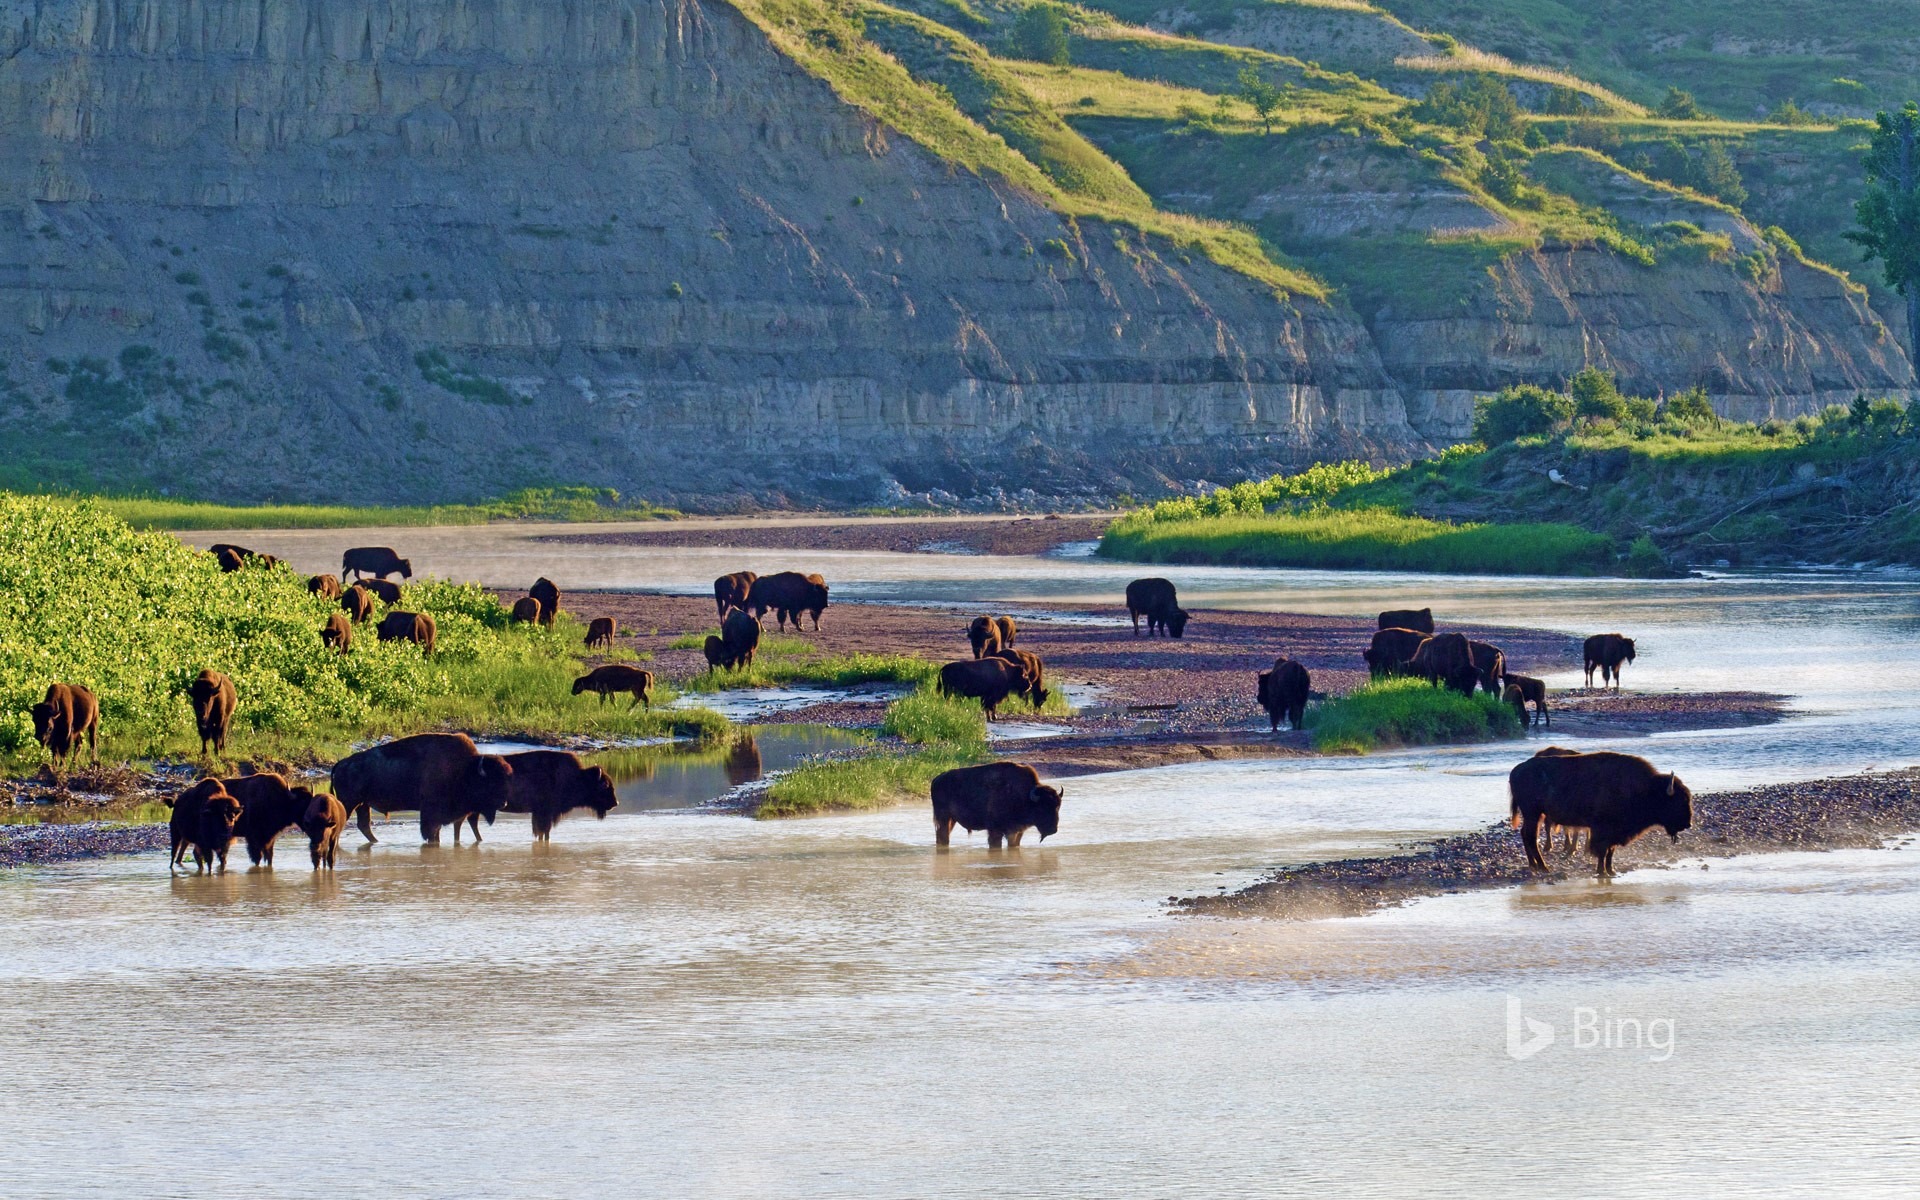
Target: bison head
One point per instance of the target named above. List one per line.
(594, 789)
(1045, 802)
(217, 819)
(492, 775)
(406, 568)
(1626, 648)
(1177, 623)
(580, 684)
(43, 717)
(1676, 810)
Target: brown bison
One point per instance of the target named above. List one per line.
(401, 626)
(1606, 652)
(1004, 798)
(214, 700)
(1283, 693)
(377, 561)
(988, 680)
(323, 823)
(356, 603)
(1446, 659)
(1615, 797)
(616, 678)
(219, 818)
(184, 825)
(1490, 662)
(716, 651)
(386, 593)
(439, 775)
(548, 784)
(1420, 619)
(337, 633)
(600, 633)
(731, 591)
(269, 807)
(1008, 630)
(983, 634)
(324, 586)
(1513, 698)
(1033, 673)
(67, 714)
(548, 595)
(788, 594)
(231, 557)
(525, 611)
(1533, 692)
(1392, 651)
(741, 634)
(1156, 600)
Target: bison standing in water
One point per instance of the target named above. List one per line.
(323, 823)
(1606, 652)
(270, 806)
(1615, 797)
(1004, 798)
(548, 784)
(731, 591)
(1418, 619)
(213, 701)
(439, 775)
(1446, 659)
(1392, 651)
(68, 714)
(789, 594)
(184, 825)
(1283, 693)
(377, 561)
(1156, 600)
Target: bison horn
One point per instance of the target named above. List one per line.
(1671, 781)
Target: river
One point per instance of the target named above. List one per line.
(674, 1003)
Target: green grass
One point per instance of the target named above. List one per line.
(928, 718)
(850, 785)
(135, 615)
(533, 504)
(829, 670)
(1407, 712)
(1364, 539)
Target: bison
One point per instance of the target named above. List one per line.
(323, 823)
(548, 595)
(731, 591)
(525, 611)
(600, 633)
(1606, 652)
(1614, 797)
(716, 651)
(1392, 651)
(983, 634)
(377, 561)
(219, 817)
(386, 593)
(324, 586)
(67, 714)
(1007, 630)
(548, 784)
(988, 680)
(741, 635)
(270, 807)
(337, 633)
(1490, 663)
(184, 825)
(1033, 673)
(788, 594)
(440, 775)
(1446, 658)
(1283, 693)
(1534, 692)
(1004, 798)
(1420, 619)
(214, 700)
(356, 603)
(1156, 600)
(1513, 698)
(401, 626)
(230, 558)
(616, 678)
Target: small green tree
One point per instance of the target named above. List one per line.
(1519, 411)
(1261, 96)
(1680, 106)
(1482, 106)
(1595, 396)
(1040, 34)
(1691, 407)
(1889, 214)
(1717, 176)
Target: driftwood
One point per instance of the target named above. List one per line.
(1773, 495)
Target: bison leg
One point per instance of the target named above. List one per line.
(942, 830)
(1013, 838)
(1530, 834)
(430, 830)
(993, 839)
(1544, 714)
(1135, 617)
(366, 822)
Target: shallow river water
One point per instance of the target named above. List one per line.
(677, 1003)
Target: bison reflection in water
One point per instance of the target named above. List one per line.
(743, 763)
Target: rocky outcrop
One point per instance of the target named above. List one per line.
(401, 249)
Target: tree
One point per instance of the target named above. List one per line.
(1691, 407)
(1717, 176)
(1519, 411)
(1482, 106)
(1594, 395)
(1889, 214)
(1261, 96)
(1680, 106)
(1040, 34)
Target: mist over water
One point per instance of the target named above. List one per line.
(675, 1003)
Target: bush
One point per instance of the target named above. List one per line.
(1645, 561)
(1040, 34)
(1680, 106)
(1519, 411)
(1408, 712)
(1595, 396)
(1691, 407)
(1483, 106)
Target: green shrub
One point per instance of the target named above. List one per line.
(1519, 411)
(927, 717)
(1040, 35)
(1595, 396)
(1691, 407)
(1408, 712)
(1645, 561)
(1483, 106)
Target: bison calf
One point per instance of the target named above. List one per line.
(400, 626)
(1283, 693)
(323, 823)
(67, 714)
(184, 826)
(600, 633)
(337, 633)
(357, 603)
(1004, 798)
(213, 700)
(325, 586)
(615, 679)
(525, 611)
(716, 651)
(1534, 692)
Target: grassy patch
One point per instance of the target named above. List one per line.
(1407, 712)
(828, 670)
(528, 504)
(848, 785)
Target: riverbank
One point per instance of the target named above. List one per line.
(1820, 814)
(908, 535)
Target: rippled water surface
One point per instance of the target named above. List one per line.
(675, 1003)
